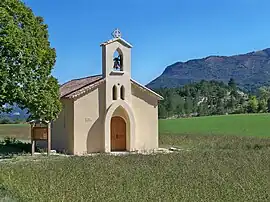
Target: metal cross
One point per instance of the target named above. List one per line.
(116, 33)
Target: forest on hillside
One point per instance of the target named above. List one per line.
(206, 98)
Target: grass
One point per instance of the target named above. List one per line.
(209, 168)
(216, 168)
(244, 125)
(240, 125)
(18, 131)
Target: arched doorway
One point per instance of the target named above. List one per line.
(118, 134)
(120, 108)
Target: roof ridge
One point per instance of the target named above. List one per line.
(86, 77)
(76, 89)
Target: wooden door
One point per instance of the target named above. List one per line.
(118, 134)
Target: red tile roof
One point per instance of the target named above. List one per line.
(78, 87)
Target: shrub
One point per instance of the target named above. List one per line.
(5, 121)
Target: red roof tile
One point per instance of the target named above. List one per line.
(70, 88)
(78, 87)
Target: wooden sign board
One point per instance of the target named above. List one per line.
(40, 133)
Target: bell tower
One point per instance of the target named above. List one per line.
(116, 68)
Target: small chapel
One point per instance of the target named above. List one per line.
(108, 112)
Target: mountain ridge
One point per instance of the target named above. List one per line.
(250, 70)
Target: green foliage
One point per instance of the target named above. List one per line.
(216, 168)
(5, 121)
(264, 98)
(264, 92)
(26, 62)
(232, 83)
(11, 146)
(201, 99)
(262, 106)
(206, 98)
(253, 104)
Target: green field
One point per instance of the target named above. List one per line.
(18, 131)
(232, 167)
(240, 125)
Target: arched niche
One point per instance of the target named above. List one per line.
(122, 92)
(118, 59)
(114, 92)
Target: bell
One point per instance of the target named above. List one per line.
(117, 65)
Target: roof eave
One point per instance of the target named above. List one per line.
(74, 96)
(149, 90)
(117, 39)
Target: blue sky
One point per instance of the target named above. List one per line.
(161, 32)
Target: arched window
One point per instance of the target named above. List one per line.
(114, 93)
(118, 60)
(122, 92)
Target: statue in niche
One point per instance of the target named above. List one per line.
(117, 66)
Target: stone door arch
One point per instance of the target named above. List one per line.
(118, 134)
(128, 117)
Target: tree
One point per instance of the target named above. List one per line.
(253, 104)
(268, 105)
(232, 83)
(188, 105)
(262, 106)
(161, 111)
(26, 62)
(180, 107)
(5, 121)
(264, 92)
(220, 107)
(203, 109)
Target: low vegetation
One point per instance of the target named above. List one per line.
(10, 147)
(228, 165)
(209, 168)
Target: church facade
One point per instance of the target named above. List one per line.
(108, 112)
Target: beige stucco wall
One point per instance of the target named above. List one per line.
(79, 128)
(145, 110)
(63, 128)
(89, 113)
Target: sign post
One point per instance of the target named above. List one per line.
(40, 130)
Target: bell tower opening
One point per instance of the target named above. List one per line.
(118, 60)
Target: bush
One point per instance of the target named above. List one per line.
(5, 121)
(10, 146)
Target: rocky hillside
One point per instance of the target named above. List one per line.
(250, 71)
